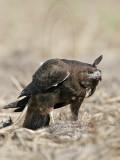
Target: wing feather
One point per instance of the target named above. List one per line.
(50, 74)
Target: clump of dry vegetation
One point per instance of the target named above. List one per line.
(95, 134)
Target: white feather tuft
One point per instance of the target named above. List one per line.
(41, 63)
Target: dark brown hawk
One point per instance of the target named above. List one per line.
(57, 83)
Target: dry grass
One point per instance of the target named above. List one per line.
(95, 134)
(38, 30)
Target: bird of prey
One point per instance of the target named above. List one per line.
(57, 83)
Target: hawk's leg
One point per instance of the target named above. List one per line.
(38, 113)
(35, 119)
(75, 108)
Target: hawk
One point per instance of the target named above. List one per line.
(57, 83)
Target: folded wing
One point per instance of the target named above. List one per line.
(50, 75)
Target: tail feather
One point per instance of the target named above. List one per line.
(19, 105)
(11, 105)
(28, 90)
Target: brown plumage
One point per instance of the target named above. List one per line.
(58, 82)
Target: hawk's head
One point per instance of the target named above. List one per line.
(90, 74)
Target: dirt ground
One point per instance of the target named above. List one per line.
(34, 31)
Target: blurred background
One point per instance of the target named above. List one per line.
(35, 31)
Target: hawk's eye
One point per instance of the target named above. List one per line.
(90, 72)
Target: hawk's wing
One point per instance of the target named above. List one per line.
(50, 75)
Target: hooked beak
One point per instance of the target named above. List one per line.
(96, 75)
